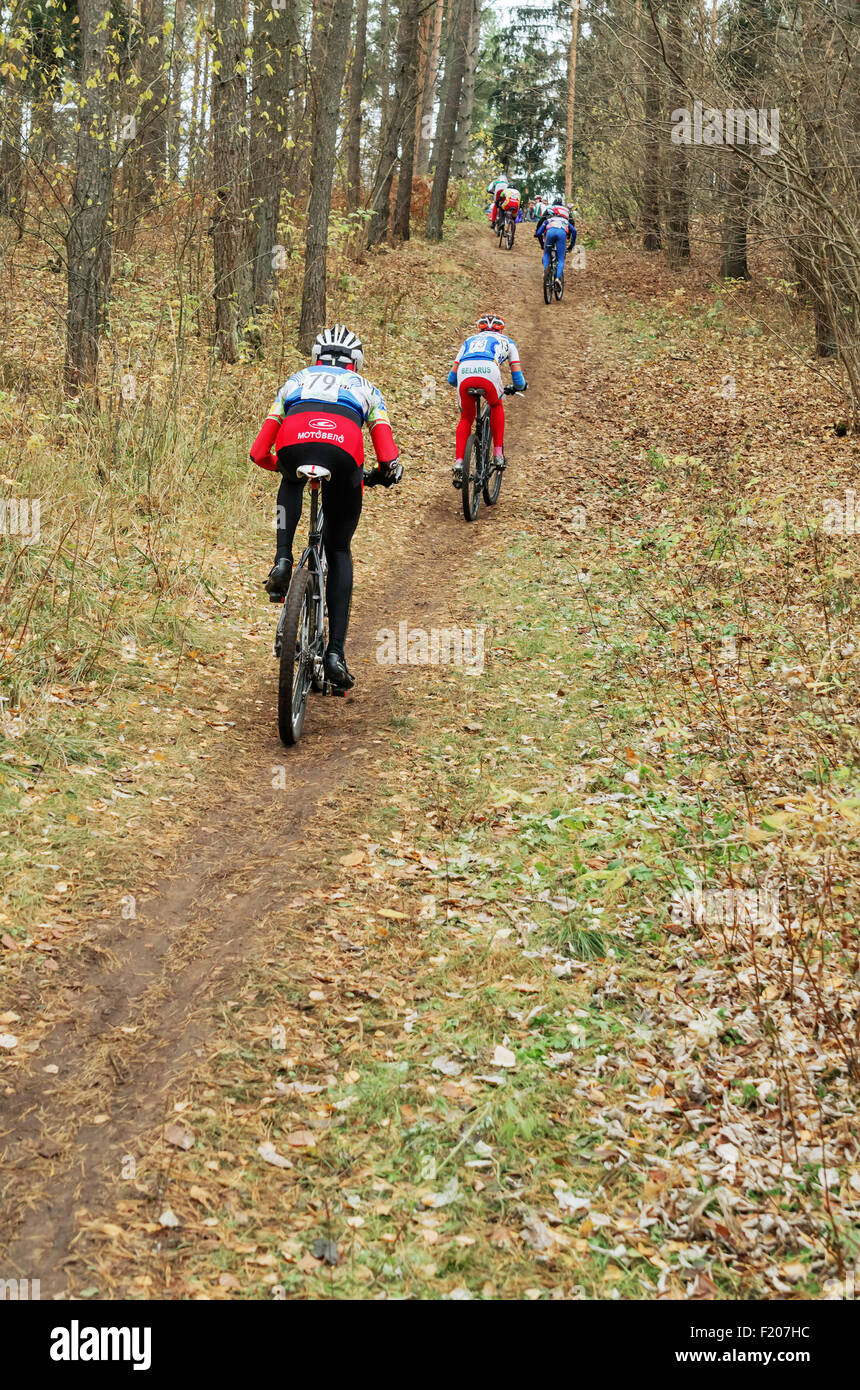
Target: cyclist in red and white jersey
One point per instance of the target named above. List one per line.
(317, 417)
(477, 367)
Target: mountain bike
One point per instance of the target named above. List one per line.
(482, 475)
(507, 230)
(300, 639)
(550, 276)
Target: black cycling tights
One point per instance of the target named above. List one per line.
(341, 499)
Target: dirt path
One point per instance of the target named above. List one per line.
(139, 1010)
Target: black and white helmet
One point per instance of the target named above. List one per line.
(338, 345)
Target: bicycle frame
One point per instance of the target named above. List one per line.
(481, 430)
(313, 559)
(550, 276)
(313, 556)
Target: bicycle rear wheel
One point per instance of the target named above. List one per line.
(298, 642)
(549, 277)
(471, 490)
(511, 232)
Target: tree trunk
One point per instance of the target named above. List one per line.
(460, 158)
(455, 62)
(152, 121)
(178, 63)
(651, 240)
(742, 61)
(571, 104)
(678, 194)
(356, 91)
(273, 31)
(43, 135)
(11, 152)
(734, 241)
(303, 148)
(322, 171)
(88, 250)
(424, 134)
(400, 108)
(198, 95)
(384, 62)
(228, 222)
(403, 201)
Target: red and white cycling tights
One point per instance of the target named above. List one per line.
(468, 407)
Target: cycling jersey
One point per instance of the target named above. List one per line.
(511, 200)
(557, 218)
(483, 350)
(326, 405)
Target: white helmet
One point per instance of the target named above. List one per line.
(338, 345)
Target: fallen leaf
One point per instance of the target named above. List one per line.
(446, 1066)
(301, 1139)
(269, 1154)
(179, 1135)
(537, 1234)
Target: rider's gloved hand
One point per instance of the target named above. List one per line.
(390, 473)
(384, 475)
(524, 387)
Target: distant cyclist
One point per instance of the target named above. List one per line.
(510, 202)
(496, 188)
(317, 417)
(556, 228)
(477, 367)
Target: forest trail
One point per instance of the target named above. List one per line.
(534, 985)
(139, 1010)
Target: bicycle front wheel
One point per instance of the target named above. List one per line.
(471, 490)
(298, 642)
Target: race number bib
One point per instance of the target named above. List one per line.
(322, 386)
